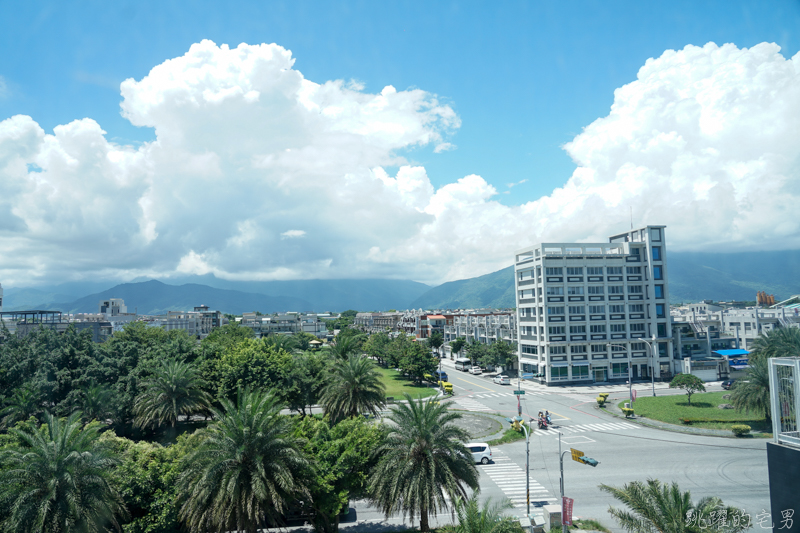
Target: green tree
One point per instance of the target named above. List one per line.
(477, 351)
(304, 340)
(457, 345)
(253, 364)
(96, 402)
(501, 352)
(306, 381)
(353, 387)
(342, 462)
(422, 461)
(377, 346)
(344, 346)
(688, 382)
(472, 517)
(288, 343)
(417, 362)
(59, 479)
(752, 392)
(780, 342)
(243, 472)
(654, 506)
(23, 403)
(175, 389)
(435, 341)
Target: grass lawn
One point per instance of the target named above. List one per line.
(511, 435)
(396, 384)
(671, 409)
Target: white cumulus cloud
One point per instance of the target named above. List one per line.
(705, 140)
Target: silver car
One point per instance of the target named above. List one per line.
(475, 370)
(502, 380)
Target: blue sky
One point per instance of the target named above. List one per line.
(524, 78)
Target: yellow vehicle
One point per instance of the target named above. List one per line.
(429, 377)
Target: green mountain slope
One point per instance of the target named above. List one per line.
(692, 277)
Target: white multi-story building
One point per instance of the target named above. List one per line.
(588, 311)
(483, 327)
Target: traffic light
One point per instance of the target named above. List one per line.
(588, 461)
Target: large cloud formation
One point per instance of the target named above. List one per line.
(259, 173)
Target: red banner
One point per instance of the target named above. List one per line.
(566, 511)
(634, 394)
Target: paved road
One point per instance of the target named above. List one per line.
(733, 469)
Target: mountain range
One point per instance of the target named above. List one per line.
(693, 276)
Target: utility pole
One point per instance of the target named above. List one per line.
(652, 346)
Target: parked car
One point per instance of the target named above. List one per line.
(727, 384)
(440, 375)
(475, 370)
(502, 380)
(481, 452)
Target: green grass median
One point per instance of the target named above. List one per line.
(397, 384)
(703, 412)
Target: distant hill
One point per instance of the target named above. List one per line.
(692, 277)
(155, 298)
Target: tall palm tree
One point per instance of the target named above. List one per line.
(244, 470)
(487, 518)
(59, 480)
(354, 386)
(422, 462)
(286, 342)
(752, 392)
(654, 506)
(23, 403)
(175, 389)
(96, 401)
(345, 346)
(781, 342)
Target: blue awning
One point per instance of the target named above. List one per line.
(731, 353)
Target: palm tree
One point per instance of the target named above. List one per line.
(354, 386)
(285, 342)
(59, 479)
(175, 389)
(344, 346)
(96, 401)
(752, 392)
(781, 342)
(422, 462)
(23, 403)
(244, 469)
(488, 518)
(664, 508)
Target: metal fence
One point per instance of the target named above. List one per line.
(784, 391)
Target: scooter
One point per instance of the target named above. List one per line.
(547, 417)
(542, 421)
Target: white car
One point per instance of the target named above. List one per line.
(475, 370)
(481, 452)
(502, 380)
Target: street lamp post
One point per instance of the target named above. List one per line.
(652, 345)
(630, 377)
(585, 460)
(527, 461)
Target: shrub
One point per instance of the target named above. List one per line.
(628, 412)
(740, 429)
(601, 401)
(604, 395)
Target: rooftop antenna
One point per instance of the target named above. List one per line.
(631, 216)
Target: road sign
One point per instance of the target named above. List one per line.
(576, 455)
(518, 392)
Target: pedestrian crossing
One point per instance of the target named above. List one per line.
(471, 405)
(583, 428)
(505, 394)
(510, 478)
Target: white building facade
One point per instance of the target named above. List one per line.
(589, 311)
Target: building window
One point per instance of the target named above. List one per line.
(662, 330)
(559, 373)
(637, 346)
(662, 349)
(656, 253)
(655, 234)
(597, 309)
(619, 370)
(557, 330)
(594, 271)
(617, 348)
(574, 290)
(660, 311)
(659, 291)
(614, 271)
(596, 290)
(555, 291)
(637, 327)
(615, 289)
(658, 273)
(574, 271)
(553, 310)
(580, 372)
(598, 328)
(634, 270)
(577, 349)
(599, 348)
(577, 309)
(528, 349)
(634, 289)
(553, 271)
(636, 308)
(577, 330)
(617, 328)
(616, 308)
(558, 350)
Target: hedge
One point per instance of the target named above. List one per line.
(601, 401)
(740, 429)
(627, 412)
(698, 420)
